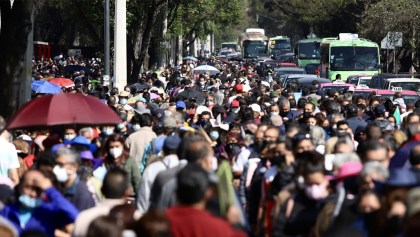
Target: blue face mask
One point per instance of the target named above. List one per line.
(108, 132)
(214, 135)
(123, 101)
(136, 127)
(30, 202)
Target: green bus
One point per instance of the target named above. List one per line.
(308, 52)
(349, 55)
(279, 45)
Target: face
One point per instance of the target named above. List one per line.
(309, 108)
(304, 145)
(28, 185)
(274, 109)
(63, 161)
(315, 178)
(369, 203)
(285, 109)
(392, 120)
(378, 155)
(70, 132)
(344, 148)
(205, 117)
(116, 144)
(271, 135)
(414, 119)
(311, 121)
(343, 128)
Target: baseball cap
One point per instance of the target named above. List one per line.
(348, 169)
(255, 108)
(181, 104)
(239, 88)
(276, 120)
(380, 109)
(171, 143)
(142, 100)
(234, 104)
(351, 89)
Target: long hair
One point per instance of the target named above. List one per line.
(105, 149)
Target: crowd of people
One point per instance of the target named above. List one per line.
(231, 153)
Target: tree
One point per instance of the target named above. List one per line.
(16, 24)
(395, 15)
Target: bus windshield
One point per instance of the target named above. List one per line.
(280, 44)
(354, 58)
(309, 50)
(253, 49)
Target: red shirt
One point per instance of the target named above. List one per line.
(191, 222)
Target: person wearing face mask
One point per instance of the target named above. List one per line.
(107, 131)
(67, 162)
(116, 155)
(30, 211)
(123, 97)
(69, 134)
(298, 214)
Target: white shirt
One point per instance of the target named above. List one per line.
(149, 176)
(8, 157)
(241, 160)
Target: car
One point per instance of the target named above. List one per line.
(337, 85)
(408, 96)
(359, 80)
(307, 81)
(378, 80)
(411, 84)
(293, 77)
(363, 90)
(288, 70)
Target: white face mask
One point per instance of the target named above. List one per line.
(116, 152)
(69, 137)
(61, 174)
(136, 127)
(235, 110)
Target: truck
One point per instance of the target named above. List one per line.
(254, 43)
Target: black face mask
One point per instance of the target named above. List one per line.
(258, 146)
(266, 143)
(307, 114)
(22, 155)
(284, 114)
(277, 160)
(233, 149)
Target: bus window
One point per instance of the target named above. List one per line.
(353, 58)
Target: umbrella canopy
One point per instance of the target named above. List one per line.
(206, 68)
(192, 93)
(63, 109)
(61, 81)
(190, 58)
(74, 68)
(45, 87)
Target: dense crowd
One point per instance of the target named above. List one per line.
(215, 153)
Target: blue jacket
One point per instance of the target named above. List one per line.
(55, 213)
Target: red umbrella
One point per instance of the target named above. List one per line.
(63, 109)
(61, 81)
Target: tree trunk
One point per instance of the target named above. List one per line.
(16, 24)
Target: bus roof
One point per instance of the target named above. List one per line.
(231, 42)
(334, 42)
(279, 37)
(309, 40)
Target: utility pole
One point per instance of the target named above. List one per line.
(120, 45)
(106, 43)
